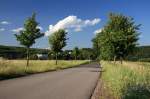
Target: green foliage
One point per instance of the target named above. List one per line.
(86, 53)
(142, 53)
(75, 52)
(29, 34)
(57, 40)
(96, 47)
(118, 38)
(13, 52)
(66, 55)
(144, 60)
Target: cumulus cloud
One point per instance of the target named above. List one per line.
(2, 29)
(71, 22)
(17, 30)
(39, 27)
(5, 22)
(98, 31)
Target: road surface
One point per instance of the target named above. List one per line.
(73, 83)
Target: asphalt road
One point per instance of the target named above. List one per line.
(73, 83)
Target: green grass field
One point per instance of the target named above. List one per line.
(15, 68)
(131, 80)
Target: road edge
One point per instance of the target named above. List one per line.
(29, 74)
(96, 91)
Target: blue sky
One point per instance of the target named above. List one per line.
(54, 12)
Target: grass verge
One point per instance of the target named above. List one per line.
(17, 68)
(131, 80)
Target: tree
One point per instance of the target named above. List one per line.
(118, 38)
(57, 40)
(96, 47)
(29, 34)
(75, 52)
(86, 53)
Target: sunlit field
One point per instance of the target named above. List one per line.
(14, 68)
(131, 80)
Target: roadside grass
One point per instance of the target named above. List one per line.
(131, 80)
(16, 68)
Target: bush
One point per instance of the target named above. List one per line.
(33, 57)
(144, 60)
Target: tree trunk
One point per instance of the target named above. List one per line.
(56, 59)
(114, 59)
(75, 57)
(89, 59)
(121, 60)
(28, 56)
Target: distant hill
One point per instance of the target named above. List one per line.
(13, 52)
(144, 51)
(141, 53)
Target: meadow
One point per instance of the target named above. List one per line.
(16, 68)
(130, 80)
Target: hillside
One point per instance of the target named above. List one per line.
(13, 52)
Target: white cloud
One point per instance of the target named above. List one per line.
(98, 31)
(17, 30)
(5, 22)
(93, 22)
(78, 29)
(2, 29)
(71, 22)
(39, 27)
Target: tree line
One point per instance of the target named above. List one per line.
(13, 52)
(57, 41)
(142, 53)
(118, 39)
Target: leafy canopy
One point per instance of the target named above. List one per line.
(118, 38)
(30, 33)
(75, 51)
(57, 40)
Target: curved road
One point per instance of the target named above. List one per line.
(73, 83)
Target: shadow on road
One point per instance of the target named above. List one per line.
(90, 65)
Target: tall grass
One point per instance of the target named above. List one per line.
(14, 68)
(128, 81)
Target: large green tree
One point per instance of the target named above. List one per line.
(29, 34)
(96, 47)
(57, 41)
(118, 38)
